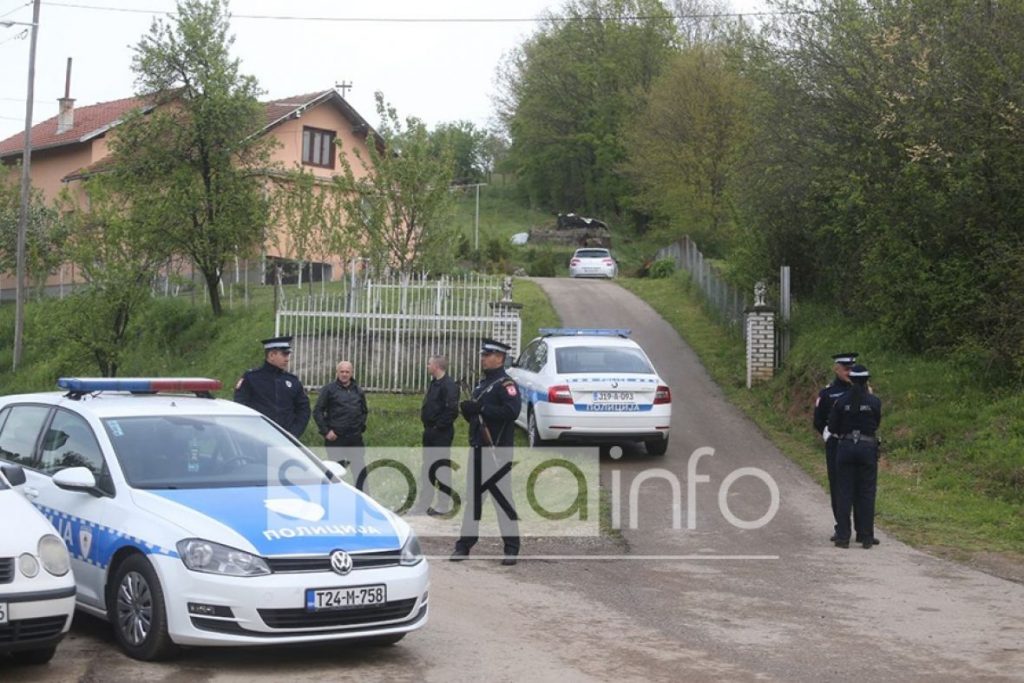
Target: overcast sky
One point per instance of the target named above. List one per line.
(440, 71)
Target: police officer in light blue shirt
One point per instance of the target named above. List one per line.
(273, 391)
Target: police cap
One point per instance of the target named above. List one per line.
(858, 371)
(493, 346)
(845, 358)
(277, 344)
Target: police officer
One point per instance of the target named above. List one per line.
(438, 414)
(340, 413)
(854, 421)
(273, 391)
(842, 362)
(491, 413)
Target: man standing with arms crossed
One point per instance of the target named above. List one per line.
(340, 415)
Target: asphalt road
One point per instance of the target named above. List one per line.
(715, 602)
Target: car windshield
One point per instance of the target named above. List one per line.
(592, 253)
(196, 452)
(575, 359)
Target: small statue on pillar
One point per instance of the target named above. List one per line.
(760, 291)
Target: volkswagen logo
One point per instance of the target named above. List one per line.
(341, 562)
(615, 385)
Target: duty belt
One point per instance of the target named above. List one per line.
(857, 437)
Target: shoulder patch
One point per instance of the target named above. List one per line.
(510, 389)
(238, 384)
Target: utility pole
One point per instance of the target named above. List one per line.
(26, 161)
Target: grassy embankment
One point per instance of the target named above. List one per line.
(952, 474)
(177, 338)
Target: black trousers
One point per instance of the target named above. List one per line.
(857, 468)
(833, 478)
(488, 463)
(435, 444)
(350, 448)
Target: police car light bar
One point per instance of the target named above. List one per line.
(77, 386)
(583, 332)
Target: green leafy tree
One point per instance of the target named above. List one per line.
(399, 203)
(572, 89)
(466, 143)
(195, 164)
(45, 235)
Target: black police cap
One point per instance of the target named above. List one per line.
(845, 358)
(493, 346)
(277, 343)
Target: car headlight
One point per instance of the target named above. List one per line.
(214, 558)
(28, 565)
(411, 552)
(54, 555)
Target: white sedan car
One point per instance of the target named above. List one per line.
(591, 386)
(593, 263)
(37, 590)
(197, 521)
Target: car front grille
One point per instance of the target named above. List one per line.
(355, 616)
(6, 569)
(375, 560)
(27, 630)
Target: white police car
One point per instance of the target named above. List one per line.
(37, 590)
(591, 385)
(197, 521)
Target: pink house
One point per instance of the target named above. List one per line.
(73, 144)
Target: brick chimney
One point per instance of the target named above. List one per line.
(66, 113)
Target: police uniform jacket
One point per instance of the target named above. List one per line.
(842, 420)
(276, 393)
(826, 399)
(341, 409)
(441, 404)
(498, 396)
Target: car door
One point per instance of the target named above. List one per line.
(83, 519)
(522, 372)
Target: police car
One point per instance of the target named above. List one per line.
(37, 590)
(591, 385)
(197, 521)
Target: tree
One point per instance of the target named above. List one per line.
(118, 252)
(45, 235)
(400, 204)
(571, 90)
(195, 163)
(467, 145)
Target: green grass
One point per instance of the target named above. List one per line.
(952, 473)
(502, 214)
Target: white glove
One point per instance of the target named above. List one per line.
(825, 434)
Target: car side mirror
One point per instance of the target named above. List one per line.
(14, 474)
(335, 468)
(76, 479)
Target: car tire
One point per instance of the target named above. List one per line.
(532, 433)
(383, 641)
(36, 657)
(657, 446)
(137, 611)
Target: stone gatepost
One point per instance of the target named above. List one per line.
(506, 324)
(760, 338)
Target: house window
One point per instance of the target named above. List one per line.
(318, 147)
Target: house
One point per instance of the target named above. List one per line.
(72, 145)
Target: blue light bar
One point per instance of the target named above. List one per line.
(583, 332)
(145, 385)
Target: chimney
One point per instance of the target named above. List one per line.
(66, 115)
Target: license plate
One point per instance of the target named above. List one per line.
(319, 599)
(3, 612)
(613, 397)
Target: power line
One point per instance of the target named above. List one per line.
(17, 36)
(442, 20)
(8, 12)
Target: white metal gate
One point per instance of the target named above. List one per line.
(389, 328)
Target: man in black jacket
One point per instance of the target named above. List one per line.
(340, 415)
(438, 414)
(273, 391)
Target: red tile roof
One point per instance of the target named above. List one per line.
(89, 121)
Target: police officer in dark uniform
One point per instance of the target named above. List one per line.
(273, 391)
(438, 414)
(854, 421)
(842, 362)
(491, 413)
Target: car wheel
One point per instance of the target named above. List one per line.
(137, 610)
(532, 433)
(657, 446)
(383, 641)
(35, 657)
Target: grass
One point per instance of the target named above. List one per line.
(952, 473)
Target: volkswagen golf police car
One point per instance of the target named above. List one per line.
(593, 386)
(197, 521)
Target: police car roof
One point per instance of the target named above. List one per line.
(589, 340)
(123, 404)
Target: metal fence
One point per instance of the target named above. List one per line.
(389, 327)
(723, 300)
